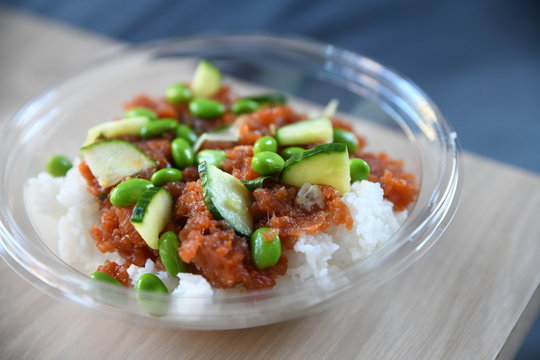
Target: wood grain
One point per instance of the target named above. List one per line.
(460, 301)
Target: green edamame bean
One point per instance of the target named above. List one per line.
(206, 108)
(58, 165)
(186, 133)
(290, 151)
(267, 163)
(101, 276)
(168, 253)
(141, 111)
(243, 106)
(347, 138)
(163, 176)
(359, 169)
(212, 157)
(266, 143)
(265, 248)
(182, 153)
(271, 98)
(151, 283)
(178, 94)
(146, 287)
(128, 192)
(95, 285)
(158, 127)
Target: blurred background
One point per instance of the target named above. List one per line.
(479, 60)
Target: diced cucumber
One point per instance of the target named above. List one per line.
(259, 182)
(207, 79)
(316, 130)
(226, 198)
(129, 126)
(111, 161)
(326, 164)
(151, 213)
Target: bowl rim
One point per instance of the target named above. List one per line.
(436, 215)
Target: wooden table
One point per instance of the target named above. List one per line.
(462, 300)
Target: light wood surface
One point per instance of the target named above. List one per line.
(460, 301)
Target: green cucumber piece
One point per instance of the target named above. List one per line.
(227, 198)
(151, 213)
(109, 129)
(111, 161)
(316, 130)
(207, 79)
(326, 164)
(260, 182)
(214, 157)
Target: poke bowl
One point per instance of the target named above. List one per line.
(295, 175)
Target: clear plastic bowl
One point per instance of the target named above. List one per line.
(395, 116)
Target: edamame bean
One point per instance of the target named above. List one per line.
(95, 285)
(212, 157)
(141, 111)
(267, 163)
(271, 98)
(128, 192)
(58, 165)
(244, 106)
(182, 153)
(347, 138)
(146, 288)
(158, 127)
(101, 276)
(186, 133)
(163, 176)
(290, 151)
(265, 248)
(266, 143)
(206, 108)
(178, 94)
(359, 170)
(168, 253)
(151, 283)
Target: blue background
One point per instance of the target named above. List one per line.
(479, 60)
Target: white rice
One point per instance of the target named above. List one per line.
(192, 285)
(374, 222)
(43, 190)
(187, 285)
(63, 211)
(65, 203)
